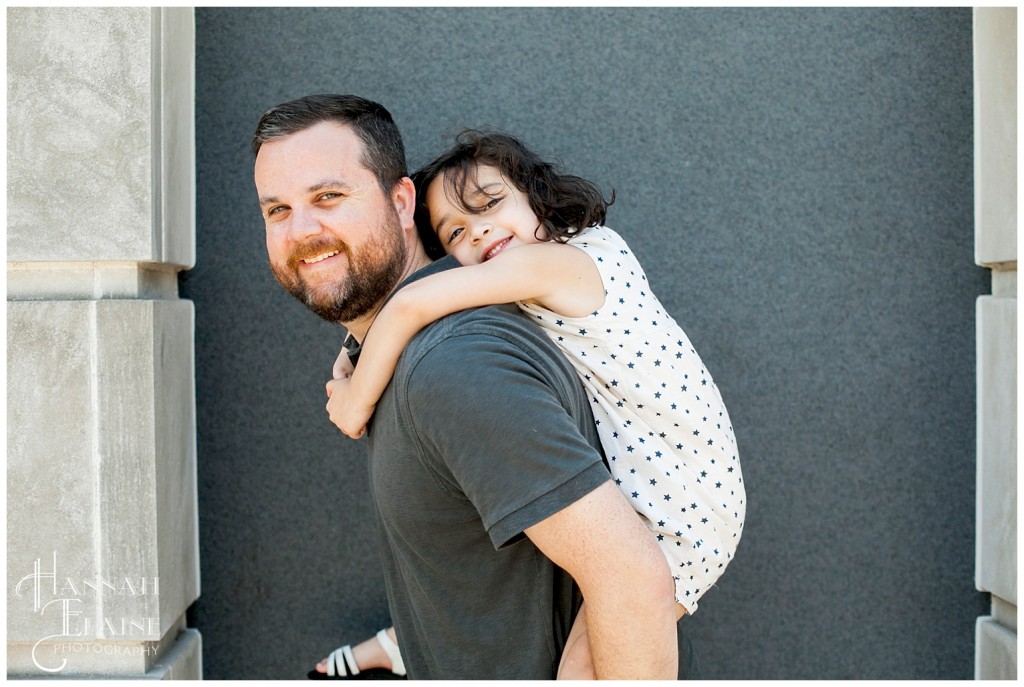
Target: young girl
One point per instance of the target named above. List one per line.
(526, 232)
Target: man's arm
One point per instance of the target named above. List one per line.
(625, 582)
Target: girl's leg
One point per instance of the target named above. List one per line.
(576, 662)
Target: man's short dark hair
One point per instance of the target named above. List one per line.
(384, 152)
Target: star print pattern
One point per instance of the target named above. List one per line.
(663, 425)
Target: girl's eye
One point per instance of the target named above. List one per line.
(454, 234)
(491, 203)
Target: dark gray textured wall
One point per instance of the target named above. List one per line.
(798, 184)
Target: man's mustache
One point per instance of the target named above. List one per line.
(316, 248)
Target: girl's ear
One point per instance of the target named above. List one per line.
(403, 195)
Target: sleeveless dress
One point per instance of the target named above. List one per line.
(665, 431)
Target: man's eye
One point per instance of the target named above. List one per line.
(277, 209)
(328, 196)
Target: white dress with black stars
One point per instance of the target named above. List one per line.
(663, 425)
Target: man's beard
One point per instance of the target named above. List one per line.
(372, 273)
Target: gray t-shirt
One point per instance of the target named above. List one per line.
(483, 432)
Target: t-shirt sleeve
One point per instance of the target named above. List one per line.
(495, 429)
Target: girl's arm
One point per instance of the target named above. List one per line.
(557, 276)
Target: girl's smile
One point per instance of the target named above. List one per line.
(496, 248)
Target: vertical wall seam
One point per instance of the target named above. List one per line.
(97, 459)
(159, 247)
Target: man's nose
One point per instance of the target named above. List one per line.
(303, 224)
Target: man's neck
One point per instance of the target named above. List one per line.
(357, 328)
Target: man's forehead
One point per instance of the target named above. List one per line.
(307, 157)
(325, 137)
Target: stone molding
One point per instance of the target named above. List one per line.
(995, 169)
(102, 517)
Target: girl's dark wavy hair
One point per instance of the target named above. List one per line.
(564, 204)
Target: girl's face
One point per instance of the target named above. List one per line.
(506, 219)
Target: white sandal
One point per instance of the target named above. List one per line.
(394, 655)
(341, 663)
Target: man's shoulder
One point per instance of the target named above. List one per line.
(501, 324)
(487, 345)
(482, 352)
(506, 320)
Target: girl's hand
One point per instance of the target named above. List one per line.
(349, 417)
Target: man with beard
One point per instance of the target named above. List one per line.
(495, 507)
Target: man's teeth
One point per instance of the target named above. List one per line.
(310, 261)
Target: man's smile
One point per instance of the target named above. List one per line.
(318, 258)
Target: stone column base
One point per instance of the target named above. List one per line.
(995, 650)
(177, 656)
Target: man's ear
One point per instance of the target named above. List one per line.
(403, 195)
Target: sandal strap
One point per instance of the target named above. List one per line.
(345, 666)
(391, 649)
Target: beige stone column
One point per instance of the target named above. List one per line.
(995, 159)
(102, 526)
